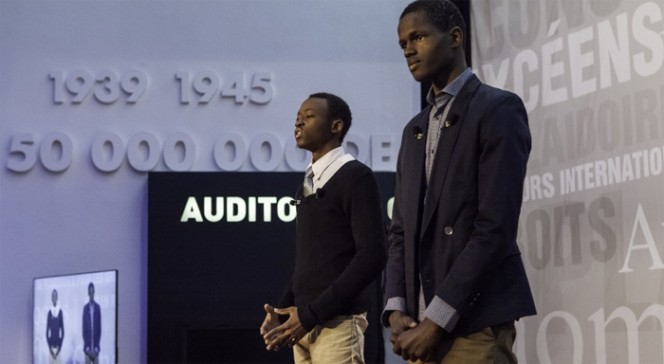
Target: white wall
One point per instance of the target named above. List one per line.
(591, 74)
(73, 181)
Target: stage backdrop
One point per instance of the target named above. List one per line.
(592, 228)
(220, 245)
(96, 94)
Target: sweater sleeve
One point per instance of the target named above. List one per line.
(287, 296)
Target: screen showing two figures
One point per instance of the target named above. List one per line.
(75, 318)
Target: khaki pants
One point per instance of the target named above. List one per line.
(339, 340)
(491, 345)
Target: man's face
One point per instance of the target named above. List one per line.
(91, 292)
(427, 50)
(312, 126)
(54, 297)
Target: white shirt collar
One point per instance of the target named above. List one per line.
(55, 310)
(327, 165)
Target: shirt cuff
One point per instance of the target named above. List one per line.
(392, 304)
(395, 304)
(442, 314)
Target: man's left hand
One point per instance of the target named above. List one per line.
(418, 343)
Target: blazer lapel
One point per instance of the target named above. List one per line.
(446, 145)
(416, 154)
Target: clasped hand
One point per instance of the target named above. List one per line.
(277, 336)
(413, 341)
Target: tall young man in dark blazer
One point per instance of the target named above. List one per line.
(340, 245)
(455, 279)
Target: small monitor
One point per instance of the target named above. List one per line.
(75, 316)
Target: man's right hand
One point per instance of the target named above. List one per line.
(271, 320)
(399, 322)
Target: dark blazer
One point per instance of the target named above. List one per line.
(91, 327)
(461, 236)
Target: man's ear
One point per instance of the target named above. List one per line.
(337, 126)
(457, 36)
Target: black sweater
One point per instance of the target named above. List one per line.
(340, 247)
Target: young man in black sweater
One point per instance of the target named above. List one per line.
(340, 245)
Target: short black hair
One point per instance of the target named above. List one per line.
(337, 108)
(441, 13)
